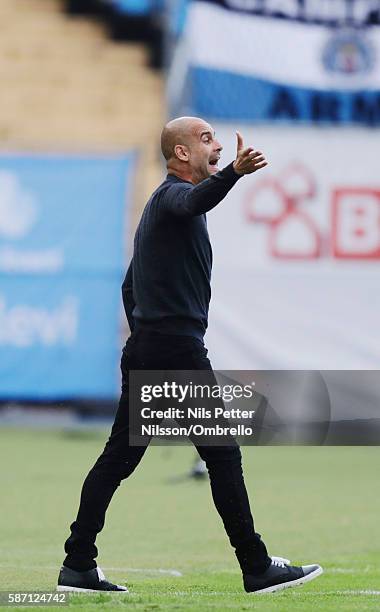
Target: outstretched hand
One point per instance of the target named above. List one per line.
(247, 160)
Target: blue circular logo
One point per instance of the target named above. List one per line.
(349, 53)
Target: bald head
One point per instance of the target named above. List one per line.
(190, 148)
(180, 131)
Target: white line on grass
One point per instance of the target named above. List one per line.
(328, 570)
(298, 593)
(168, 572)
(358, 592)
(349, 570)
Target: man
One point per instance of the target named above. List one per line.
(166, 296)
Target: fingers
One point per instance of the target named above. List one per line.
(257, 157)
(248, 160)
(261, 165)
(239, 142)
(244, 154)
(255, 154)
(259, 160)
(250, 153)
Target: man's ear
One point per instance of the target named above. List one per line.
(181, 152)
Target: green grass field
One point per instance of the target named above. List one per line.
(311, 504)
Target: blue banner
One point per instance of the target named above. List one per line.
(274, 102)
(63, 223)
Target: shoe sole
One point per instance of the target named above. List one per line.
(288, 585)
(71, 589)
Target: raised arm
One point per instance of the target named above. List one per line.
(187, 200)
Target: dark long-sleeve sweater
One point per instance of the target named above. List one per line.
(167, 286)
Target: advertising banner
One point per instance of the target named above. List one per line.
(297, 253)
(62, 258)
(264, 61)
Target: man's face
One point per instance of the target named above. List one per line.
(204, 151)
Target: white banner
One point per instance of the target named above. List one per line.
(283, 51)
(297, 253)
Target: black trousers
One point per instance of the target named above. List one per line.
(155, 351)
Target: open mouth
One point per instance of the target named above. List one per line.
(214, 161)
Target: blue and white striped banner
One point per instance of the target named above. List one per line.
(265, 65)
